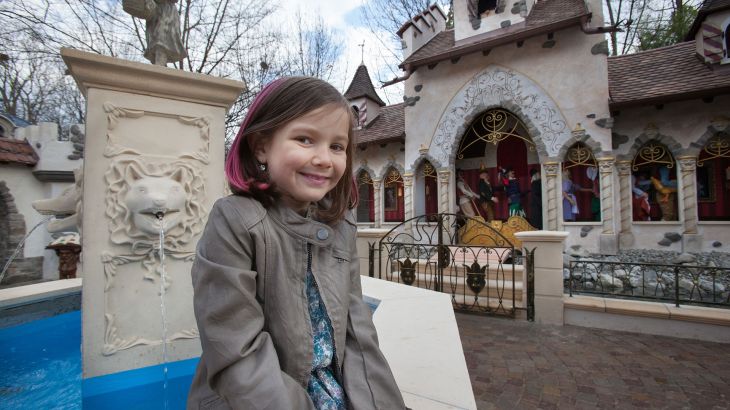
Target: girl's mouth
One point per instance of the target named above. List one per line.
(315, 179)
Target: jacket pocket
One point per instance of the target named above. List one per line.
(213, 403)
(340, 255)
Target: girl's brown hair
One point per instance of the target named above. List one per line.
(279, 103)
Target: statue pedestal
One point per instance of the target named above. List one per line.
(154, 143)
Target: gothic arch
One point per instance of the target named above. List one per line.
(500, 87)
(717, 127)
(594, 145)
(365, 168)
(391, 164)
(674, 147)
(421, 158)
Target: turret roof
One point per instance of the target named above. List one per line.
(361, 86)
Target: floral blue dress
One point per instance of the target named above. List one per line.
(323, 388)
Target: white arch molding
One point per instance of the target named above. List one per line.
(494, 87)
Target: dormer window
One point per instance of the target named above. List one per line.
(485, 6)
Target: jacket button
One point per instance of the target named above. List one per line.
(322, 234)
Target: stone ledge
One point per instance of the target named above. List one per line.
(39, 291)
(688, 313)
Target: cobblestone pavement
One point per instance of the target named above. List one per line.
(523, 365)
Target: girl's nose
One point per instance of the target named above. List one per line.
(322, 158)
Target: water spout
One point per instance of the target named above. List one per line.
(20, 246)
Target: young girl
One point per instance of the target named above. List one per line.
(276, 275)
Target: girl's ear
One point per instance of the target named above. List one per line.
(260, 149)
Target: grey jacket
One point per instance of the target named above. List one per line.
(251, 307)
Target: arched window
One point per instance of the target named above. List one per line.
(2, 131)
(581, 194)
(425, 191)
(713, 179)
(393, 209)
(365, 206)
(654, 178)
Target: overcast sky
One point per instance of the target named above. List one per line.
(345, 16)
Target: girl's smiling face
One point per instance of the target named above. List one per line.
(306, 157)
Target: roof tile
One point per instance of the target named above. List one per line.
(388, 126)
(663, 74)
(17, 152)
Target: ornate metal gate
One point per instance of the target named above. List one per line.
(473, 261)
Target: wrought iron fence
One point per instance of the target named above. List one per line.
(479, 275)
(677, 283)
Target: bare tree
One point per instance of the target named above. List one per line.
(317, 48)
(642, 18)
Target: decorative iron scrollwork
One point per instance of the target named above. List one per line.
(653, 153)
(579, 154)
(364, 178)
(717, 147)
(493, 127)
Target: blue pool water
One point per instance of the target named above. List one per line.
(41, 369)
(41, 364)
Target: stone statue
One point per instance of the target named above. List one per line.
(66, 207)
(162, 31)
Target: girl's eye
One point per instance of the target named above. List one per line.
(304, 140)
(338, 147)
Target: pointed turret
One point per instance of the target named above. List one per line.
(362, 96)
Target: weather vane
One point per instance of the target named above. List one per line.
(362, 52)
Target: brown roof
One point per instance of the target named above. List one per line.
(361, 86)
(388, 126)
(546, 16)
(662, 75)
(17, 152)
(708, 7)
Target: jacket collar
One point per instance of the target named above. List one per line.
(305, 227)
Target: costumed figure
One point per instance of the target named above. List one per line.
(466, 196)
(486, 195)
(512, 190)
(535, 199)
(570, 202)
(666, 197)
(640, 188)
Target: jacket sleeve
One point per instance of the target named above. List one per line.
(367, 379)
(240, 360)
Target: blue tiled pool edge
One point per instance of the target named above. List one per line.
(140, 388)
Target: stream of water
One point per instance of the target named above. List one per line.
(20, 246)
(163, 285)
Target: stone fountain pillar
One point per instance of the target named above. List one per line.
(154, 143)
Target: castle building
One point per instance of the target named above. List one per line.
(633, 151)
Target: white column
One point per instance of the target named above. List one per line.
(626, 237)
(608, 244)
(551, 181)
(444, 176)
(408, 199)
(378, 202)
(691, 239)
(548, 265)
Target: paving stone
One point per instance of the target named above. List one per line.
(566, 367)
